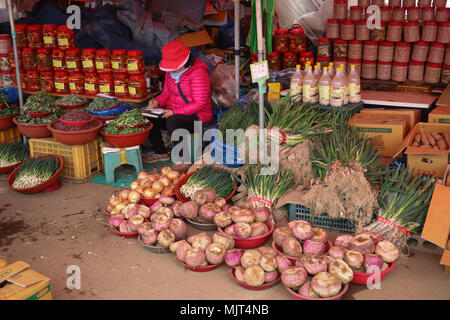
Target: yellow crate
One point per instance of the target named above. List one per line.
(10, 135)
(81, 162)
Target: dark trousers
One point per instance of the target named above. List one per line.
(170, 124)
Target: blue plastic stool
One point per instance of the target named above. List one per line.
(112, 160)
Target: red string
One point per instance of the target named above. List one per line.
(266, 202)
(399, 228)
(283, 138)
(341, 164)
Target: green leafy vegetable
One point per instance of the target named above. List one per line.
(71, 100)
(130, 121)
(12, 153)
(101, 103)
(35, 171)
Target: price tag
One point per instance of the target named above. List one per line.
(104, 88)
(89, 87)
(71, 64)
(259, 71)
(119, 89)
(132, 66)
(59, 85)
(72, 86)
(132, 90)
(115, 65)
(48, 40)
(57, 63)
(88, 64)
(99, 65)
(63, 42)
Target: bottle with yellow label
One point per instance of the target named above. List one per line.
(354, 85)
(296, 89)
(324, 88)
(309, 86)
(338, 87)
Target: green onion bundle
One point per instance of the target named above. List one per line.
(266, 189)
(12, 153)
(209, 177)
(236, 118)
(403, 201)
(35, 171)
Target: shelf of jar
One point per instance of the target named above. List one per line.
(133, 100)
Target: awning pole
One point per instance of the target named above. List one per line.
(260, 43)
(237, 45)
(16, 56)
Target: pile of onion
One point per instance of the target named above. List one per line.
(243, 223)
(299, 237)
(200, 250)
(253, 266)
(366, 252)
(155, 185)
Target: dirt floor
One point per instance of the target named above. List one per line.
(52, 231)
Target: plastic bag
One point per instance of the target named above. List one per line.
(223, 85)
(315, 23)
(289, 11)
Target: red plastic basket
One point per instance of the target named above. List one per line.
(77, 123)
(6, 122)
(182, 182)
(361, 277)
(294, 259)
(127, 140)
(255, 242)
(124, 234)
(41, 187)
(109, 108)
(8, 169)
(297, 296)
(104, 119)
(259, 288)
(198, 269)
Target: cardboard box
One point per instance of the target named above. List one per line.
(444, 98)
(23, 283)
(386, 133)
(413, 114)
(429, 161)
(446, 178)
(195, 39)
(437, 225)
(439, 115)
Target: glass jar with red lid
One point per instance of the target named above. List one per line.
(356, 13)
(281, 40)
(106, 83)
(274, 61)
(399, 71)
(340, 9)
(34, 36)
(119, 61)
(332, 28)
(441, 14)
(420, 51)
(362, 30)
(23, 76)
(90, 83)
(324, 47)
(428, 14)
(73, 60)
(76, 83)
(44, 60)
(49, 36)
(439, 3)
(369, 69)
(58, 59)
(394, 31)
(386, 51)
(379, 3)
(432, 72)
(409, 3)
(355, 48)
(395, 3)
(135, 62)
(416, 70)
(347, 29)
(88, 59)
(289, 60)
(398, 14)
(33, 80)
(47, 81)
(436, 53)
(443, 34)
(363, 3)
(61, 82)
(66, 37)
(306, 57)
(378, 34)
(402, 51)
(103, 61)
(297, 39)
(12, 61)
(411, 31)
(429, 31)
(385, 13)
(29, 59)
(21, 35)
(413, 13)
(121, 85)
(340, 49)
(323, 61)
(424, 3)
(137, 87)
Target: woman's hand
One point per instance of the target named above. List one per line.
(167, 113)
(153, 104)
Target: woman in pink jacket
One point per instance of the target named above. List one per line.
(186, 96)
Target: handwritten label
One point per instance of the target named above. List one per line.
(259, 71)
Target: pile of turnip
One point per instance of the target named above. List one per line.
(253, 266)
(299, 237)
(200, 250)
(365, 252)
(204, 207)
(243, 223)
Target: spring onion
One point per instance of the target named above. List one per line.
(12, 153)
(35, 171)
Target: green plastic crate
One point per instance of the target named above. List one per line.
(299, 212)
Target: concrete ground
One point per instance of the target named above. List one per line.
(52, 231)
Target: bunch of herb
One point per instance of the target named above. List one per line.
(129, 122)
(209, 177)
(40, 102)
(71, 100)
(7, 109)
(27, 119)
(35, 171)
(12, 153)
(101, 103)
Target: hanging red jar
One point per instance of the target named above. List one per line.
(44, 60)
(34, 36)
(135, 62)
(49, 36)
(281, 40)
(297, 39)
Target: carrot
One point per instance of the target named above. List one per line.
(417, 138)
(436, 136)
(447, 138)
(424, 138)
(442, 144)
(430, 138)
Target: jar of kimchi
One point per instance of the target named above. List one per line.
(88, 59)
(21, 35)
(121, 85)
(61, 82)
(49, 36)
(106, 83)
(90, 83)
(73, 60)
(135, 62)
(66, 37)
(103, 61)
(76, 83)
(58, 58)
(47, 81)
(137, 87)
(281, 40)
(29, 59)
(33, 80)
(44, 60)
(34, 36)
(297, 39)
(119, 61)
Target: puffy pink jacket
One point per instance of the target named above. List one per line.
(195, 85)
